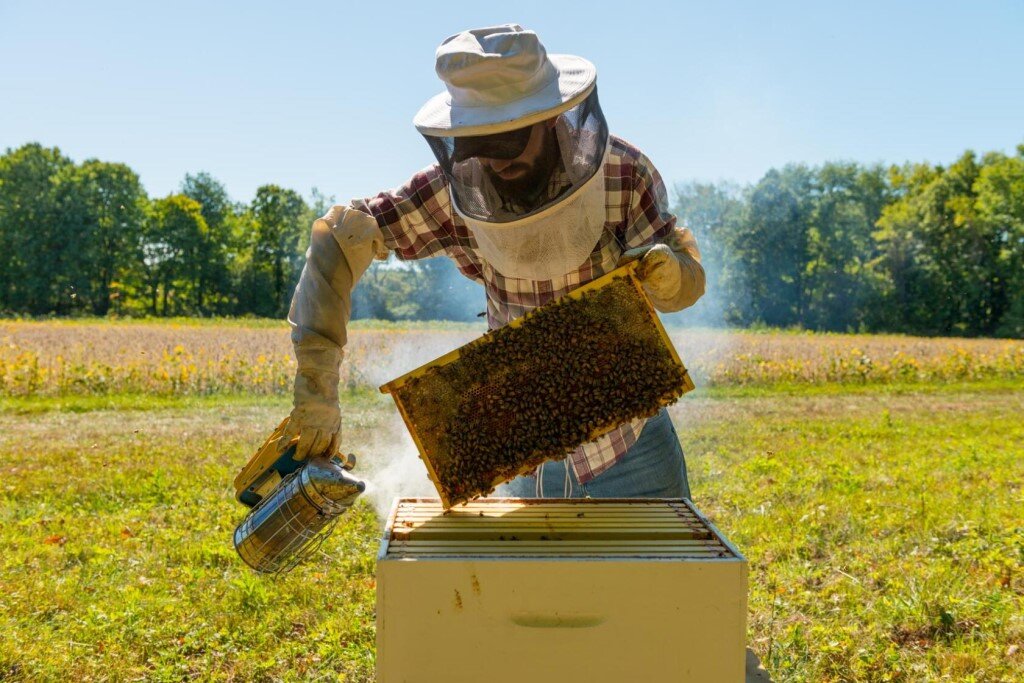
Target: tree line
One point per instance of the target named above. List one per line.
(918, 248)
(86, 239)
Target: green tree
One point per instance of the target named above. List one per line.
(1000, 207)
(903, 268)
(103, 204)
(845, 201)
(944, 257)
(967, 252)
(772, 244)
(278, 220)
(175, 238)
(213, 284)
(34, 247)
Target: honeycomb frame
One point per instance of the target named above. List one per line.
(473, 411)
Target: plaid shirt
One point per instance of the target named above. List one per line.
(417, 221)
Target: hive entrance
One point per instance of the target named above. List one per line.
(534, 390)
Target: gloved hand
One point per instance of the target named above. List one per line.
(659, 272)
(315, 418)
(660, 279)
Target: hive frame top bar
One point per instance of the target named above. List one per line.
(471, 509)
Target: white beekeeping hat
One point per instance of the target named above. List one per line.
(501, 78)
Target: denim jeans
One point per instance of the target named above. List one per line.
(654, 467)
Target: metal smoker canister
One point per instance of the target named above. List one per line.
(297, 516)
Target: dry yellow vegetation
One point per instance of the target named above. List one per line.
(98, 358)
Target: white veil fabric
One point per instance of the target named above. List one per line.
(547, 244)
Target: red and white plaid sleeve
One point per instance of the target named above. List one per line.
(416, 220)
(416, 217)
(648, 216)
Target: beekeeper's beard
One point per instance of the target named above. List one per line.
(529, 189)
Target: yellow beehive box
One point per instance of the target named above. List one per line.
(563, 374)
(507, 589)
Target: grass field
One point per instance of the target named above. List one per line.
(882, 520)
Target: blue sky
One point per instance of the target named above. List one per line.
(323, 93)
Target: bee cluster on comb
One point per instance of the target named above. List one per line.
(567, 373)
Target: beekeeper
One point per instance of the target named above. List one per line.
(531, 197)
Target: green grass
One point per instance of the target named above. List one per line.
(884, 532)
(883, 529)
(72, 403)
(360, 395)
(247, 322)
(780, 389)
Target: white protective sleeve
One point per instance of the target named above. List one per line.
(343, 244)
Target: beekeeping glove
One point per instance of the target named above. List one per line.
(315, 420)
(671, 272)
(342, 245)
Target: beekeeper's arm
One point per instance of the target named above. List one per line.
(341, 247)
(671, 271)
(410, 221)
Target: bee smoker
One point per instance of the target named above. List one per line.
(295, 505)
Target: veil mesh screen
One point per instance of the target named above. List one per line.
(580, 134)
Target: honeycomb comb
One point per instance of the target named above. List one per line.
(562, 375)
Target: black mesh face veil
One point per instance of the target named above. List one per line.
(570, 153)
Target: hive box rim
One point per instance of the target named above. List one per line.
(382, 553)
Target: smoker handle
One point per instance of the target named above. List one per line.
(557, 620)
